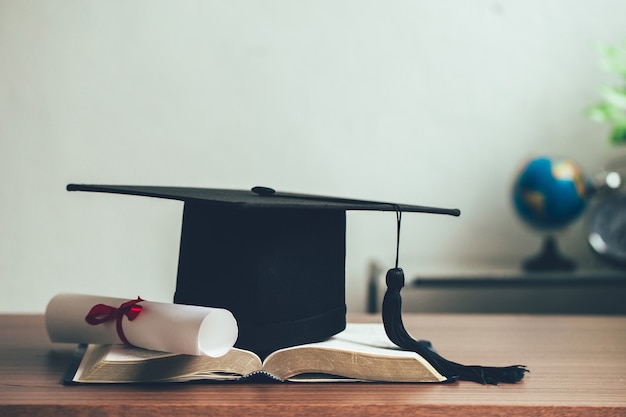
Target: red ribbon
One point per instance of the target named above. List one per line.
(102, 313)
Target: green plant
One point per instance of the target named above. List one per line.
(612, 108)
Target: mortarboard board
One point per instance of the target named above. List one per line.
(276, 260)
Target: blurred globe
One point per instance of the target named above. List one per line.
(550, 193)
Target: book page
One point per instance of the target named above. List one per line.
(361, 352)
(124, 353)
(363, 338)
(126, 364)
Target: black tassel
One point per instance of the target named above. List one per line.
(392, 320)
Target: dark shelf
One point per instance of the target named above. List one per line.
(504, 291)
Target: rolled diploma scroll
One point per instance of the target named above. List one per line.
(175, 328)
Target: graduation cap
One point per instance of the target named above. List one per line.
(276, 260)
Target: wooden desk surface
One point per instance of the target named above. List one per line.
(577, 363)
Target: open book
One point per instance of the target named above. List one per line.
(362, 352)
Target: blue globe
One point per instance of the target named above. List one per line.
(550, 193)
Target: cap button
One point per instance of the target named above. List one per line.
(264, 191)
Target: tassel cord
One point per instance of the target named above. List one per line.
(394, 327)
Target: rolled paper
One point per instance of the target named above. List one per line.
(166, 327)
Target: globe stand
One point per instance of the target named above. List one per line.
(549, 258)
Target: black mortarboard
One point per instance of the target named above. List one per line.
(275, 260)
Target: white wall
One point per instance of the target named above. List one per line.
(423, 101)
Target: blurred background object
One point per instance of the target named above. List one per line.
(607, 225)
(612, 108)
(607, 221)
(549, 194)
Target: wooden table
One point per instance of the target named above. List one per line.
(577, 363)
